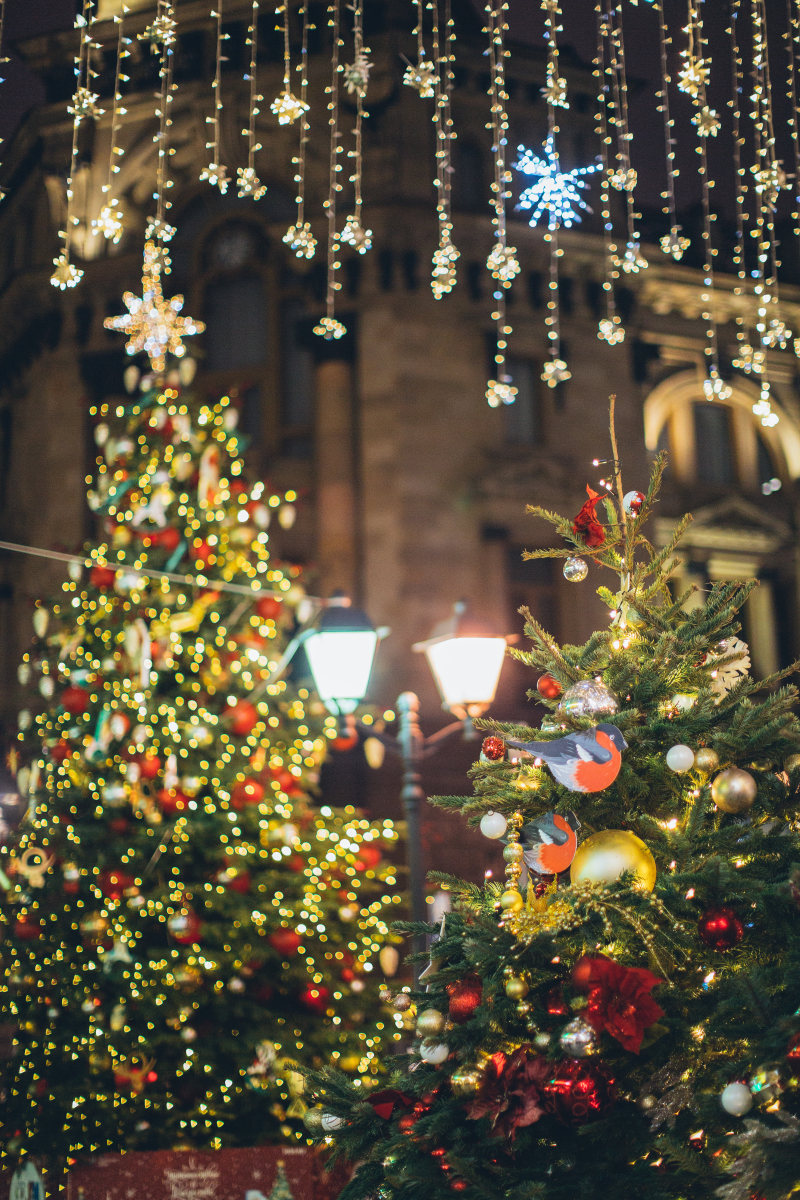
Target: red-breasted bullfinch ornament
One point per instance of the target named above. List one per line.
(549, 842)
(587, 761)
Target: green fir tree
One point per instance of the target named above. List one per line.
(183, 927)
(627, 1024)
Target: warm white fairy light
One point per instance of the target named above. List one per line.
(248, 182)
(609, 327)
(299, 236)
(750, 358)
(421, 75)
(287, 107)
(216, 173)
(502, 262)
(446, 254)
(84, 104)
(623, 175)
(356, 80)
(791, 38)
(109, 222)
(673, 243)
(329, 327)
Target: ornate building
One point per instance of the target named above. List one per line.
(412, 490)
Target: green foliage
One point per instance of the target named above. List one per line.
(727, 1013)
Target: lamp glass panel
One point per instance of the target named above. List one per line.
(467, 669)
(341, 662)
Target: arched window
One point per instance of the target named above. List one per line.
(255, 340)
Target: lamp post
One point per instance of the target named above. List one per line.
(465, 662)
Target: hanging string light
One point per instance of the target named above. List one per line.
(356, 79)
(609, 327)
(673, 243)
(421, 75)
(299, 236)
(248, 182)
(3, 59)
(791, 36)
(446, 255)
(109, 222)
(153, 324)
(287, 107)
(328, 326)
(216, 173)
(623, 177)
(502, 262)
(84, 106)
(750, 357)
(692, 79)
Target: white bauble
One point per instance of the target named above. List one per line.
(736, 1099)
(493, 825)
(680, 758)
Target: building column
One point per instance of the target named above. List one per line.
(337, 517)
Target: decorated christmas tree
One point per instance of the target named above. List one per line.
(183, 926)
(620, 1016)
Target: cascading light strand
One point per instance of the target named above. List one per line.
(329, 327)
(109, 222)
(356, 79)
(299, 237)
(216, 173)
(248, 181)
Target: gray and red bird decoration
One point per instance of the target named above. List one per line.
(587, 761)
(549, 842)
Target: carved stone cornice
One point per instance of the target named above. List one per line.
(664, 296)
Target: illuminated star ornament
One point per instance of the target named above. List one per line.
(554, 192)
(154, 325)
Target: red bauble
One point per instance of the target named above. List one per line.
(203, 553)
(239, 883)
(296, 863)
(493, 748)
(150, 766)
(555, 1003)
(285, 941)
(285, 780)
(793, 1050)
(720, 928)
(172, 801)
(548, 687)
(113, 883)
(246, 791)
(60, 751)
(368, 856)
(102, 578)
(26, 929)
(169, 539)
(268, 608)
(465, 996)
(577, 1091)
(241, 717)
(184, 927)
(75, 700)
(315, 998)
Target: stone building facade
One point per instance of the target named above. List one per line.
(413, 491)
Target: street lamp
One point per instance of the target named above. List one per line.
(465, 661)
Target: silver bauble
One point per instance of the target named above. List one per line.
(588, 698)
(576, 569)
(578, 1039)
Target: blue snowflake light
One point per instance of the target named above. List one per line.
(555, 193)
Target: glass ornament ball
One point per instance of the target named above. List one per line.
(493, 825)
(588, 698)
(578, 1039)
(511, 901)
(576, 1092)
(466, 1081)
(680, 758)
(516, 988)
(632, 503)
(604, 856)
(430, 1023)
(433, 1052)
(736, 1099)
(493, 749)
(402, 1002)
(576, 569)
(548, 687)
(720, 928)
(734, 790)
(706, 760)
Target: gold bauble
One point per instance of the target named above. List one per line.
(513, 852)
(348, 1062)
(706, 760)
(312, 1119)
(511, 901)
(606, 855)
(430, 1023)
(516, 988)
(465, 1081)
(734, 790)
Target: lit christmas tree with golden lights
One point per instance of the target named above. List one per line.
(183, 928)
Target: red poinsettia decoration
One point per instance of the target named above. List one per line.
(385, 1102)
(512, 1092)
(619, 998)
(586, 525)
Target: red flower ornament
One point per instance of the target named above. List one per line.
(619, 998)
(586, 525)
(512, 1095)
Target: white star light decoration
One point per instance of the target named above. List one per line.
(154, 325)
(555, 193)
